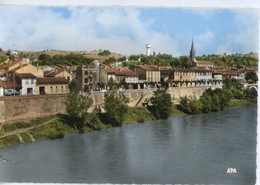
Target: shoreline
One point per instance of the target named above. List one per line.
(54, 127)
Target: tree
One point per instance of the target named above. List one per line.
(185, 62)
(77, 106)
(251, 75)
(162, 104)
(116, 107)
(112, 86)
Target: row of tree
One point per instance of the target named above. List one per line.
(183, 61)
(71, 59)
(216, 100)
(115, 105)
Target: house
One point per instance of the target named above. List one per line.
(52, 85)
(167, 74)
(8, 85)
(27, 82)
(124, 74)
(59, 74)
(202, 74)
(184, 74)
(216, 75)
(147, 73)
(24, 67)
(86, 77)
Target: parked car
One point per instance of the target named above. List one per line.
(12, 92)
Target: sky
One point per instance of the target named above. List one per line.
(128, 30)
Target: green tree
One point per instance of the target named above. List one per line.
(116, 107)
(112, 86)
(185, 62)
(162, 103)
(77, 106)
(251, 75)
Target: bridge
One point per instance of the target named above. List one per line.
(255, 86)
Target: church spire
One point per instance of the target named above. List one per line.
(192, 47)
(192, 53)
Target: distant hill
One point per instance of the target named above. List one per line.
(91, 54)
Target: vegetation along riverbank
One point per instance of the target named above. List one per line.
(78, 120)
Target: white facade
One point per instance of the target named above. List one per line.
(132, 79)
(217, 77)
(1, 91)
(28, 86)
(202, 75)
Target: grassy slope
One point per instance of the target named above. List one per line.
(57, 128)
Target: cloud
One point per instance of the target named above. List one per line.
(86, 29)
(246, 35)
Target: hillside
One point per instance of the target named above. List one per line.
(91, 54)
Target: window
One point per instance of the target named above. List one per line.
(86, 80)
(61, 88)
(27, 82)
(56, 88)
(86, 72)
(32, 81)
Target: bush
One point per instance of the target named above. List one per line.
(238, 94)
(92, 121)
(162, 104)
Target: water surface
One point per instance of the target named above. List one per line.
(189, 149)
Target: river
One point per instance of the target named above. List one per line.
(187, 149)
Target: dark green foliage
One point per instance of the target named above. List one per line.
(162, 104)
(190, 106)
(71, 59)
(109, 61)
(104, 53)
(92, 121)
(238, 94)
(251, 75)
(115, 107)
(250, 93)
(3, 58)
(232, 84)
(230, 60)
(210, 101)
(185, 62)
(77, 106)
(112, 86)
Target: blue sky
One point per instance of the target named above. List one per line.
(127, 30)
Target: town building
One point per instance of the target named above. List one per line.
(52, 85)
(27, 82)
(63, 73)
(147, 73)
(86, 77)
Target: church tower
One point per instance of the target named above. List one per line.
(192, 55)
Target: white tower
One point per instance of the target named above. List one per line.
(148, 49)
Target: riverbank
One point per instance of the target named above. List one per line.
(56, 127)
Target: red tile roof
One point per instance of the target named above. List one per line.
(25, 75)
(126, 72)
(165, 68)
(15, 63)
(149, 67)
(9, 84)
(3, 66)
(204, 62)
(52, 80)
(16, 69)
(53, 74)
(120, 71)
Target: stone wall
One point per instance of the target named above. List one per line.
(30, 107)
